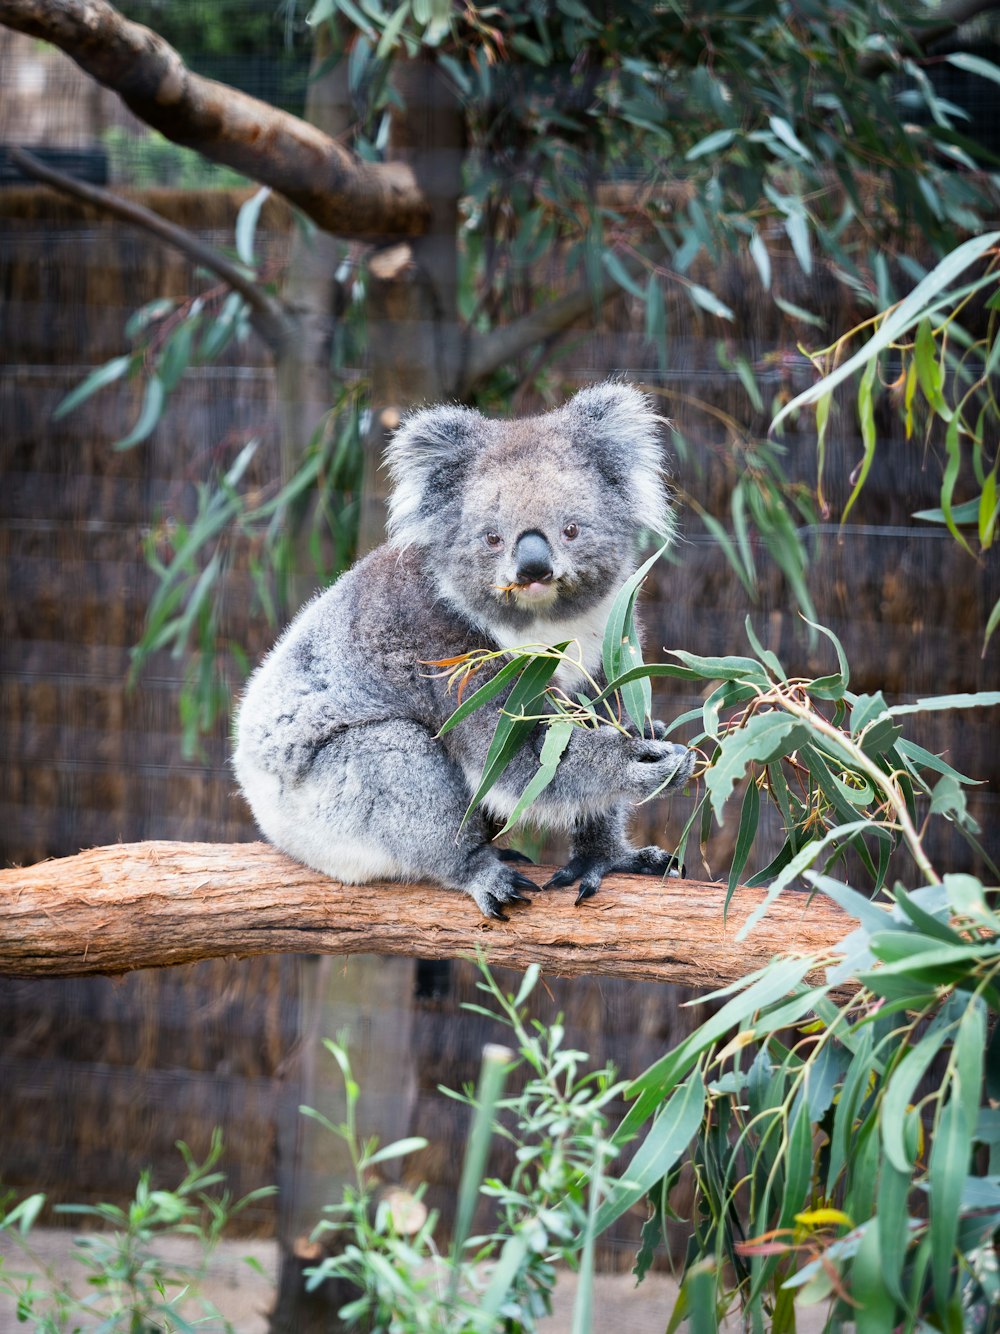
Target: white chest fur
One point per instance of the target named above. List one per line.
(587, 630)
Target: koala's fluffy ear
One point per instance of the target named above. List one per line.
(618, 421)
(427, 458)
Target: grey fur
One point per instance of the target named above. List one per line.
(336, 746)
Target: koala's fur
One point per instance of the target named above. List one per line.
(336, 746)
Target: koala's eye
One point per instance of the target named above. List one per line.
(571, 531)
(494, 540)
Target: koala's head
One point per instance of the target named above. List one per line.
(532, 518)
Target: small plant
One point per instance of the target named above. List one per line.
(132, 1287)
(546, 1212)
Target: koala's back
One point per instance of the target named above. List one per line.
(358, 653)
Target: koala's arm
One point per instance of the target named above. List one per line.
(599, 769)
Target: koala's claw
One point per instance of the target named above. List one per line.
(504, 889)
(512, 855)
(590, 871)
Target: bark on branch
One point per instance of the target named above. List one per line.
(267, 314)
(342, 193)
(151, 905)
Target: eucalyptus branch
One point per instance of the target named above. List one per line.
(881, 780)
(269, 316)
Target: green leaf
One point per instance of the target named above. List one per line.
(666, 1140)
(983, 699)
(798, 313)
(710, 144)
(733, 668)
(894, 1226)
(557, 737)
(925, 922)
(390, 33)
(621, 275)
(755, 992)
(763, 737)
(485, 693)
(989, 509)
(967, 512)
(149, 416)
(104, 375)
(831, 687)
(800, 863)
(866, 419)
(930, 373)
(399, 1149)
(621, 650)
(787, 135)
(759, 255)
(872, 916)
(769, 659)
(797, 230)
(964, 60)
(951, 1147)
(246, 225)
(701, 296)
(875, 1310)
(952, 468)
(991, 624)
(929, 294)
(747, 832)
(512, 730)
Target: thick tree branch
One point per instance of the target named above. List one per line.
(342, 193)
(149, 905)
(268, 315)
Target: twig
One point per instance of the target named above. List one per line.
(269, 317)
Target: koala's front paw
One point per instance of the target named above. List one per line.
(657, 766)
(498, 884)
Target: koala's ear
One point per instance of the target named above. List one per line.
(427, 459)
(618, 420)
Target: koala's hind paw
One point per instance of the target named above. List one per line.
(590, 871)
(503, 888)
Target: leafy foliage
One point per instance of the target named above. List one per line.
(827, 1167)
(547, 1211)
(132, 1285)
(920, 344)
(835, 765)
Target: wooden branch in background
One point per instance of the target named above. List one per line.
(156, 904)
(268, 315)
(334, 187)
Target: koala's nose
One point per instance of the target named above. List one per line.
(532, 559)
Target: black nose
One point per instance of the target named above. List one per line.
(532, 559)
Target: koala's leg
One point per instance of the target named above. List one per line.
(600, 847)
(384, 800)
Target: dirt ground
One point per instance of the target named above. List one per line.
(243, 1291)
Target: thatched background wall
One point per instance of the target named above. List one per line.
(101, 1078)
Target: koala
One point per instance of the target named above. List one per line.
(501, 534)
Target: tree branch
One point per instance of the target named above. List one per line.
(503, 344)
(269, 318)
(151, 905)
(338, 190)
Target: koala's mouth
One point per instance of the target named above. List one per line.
(532, 593)
(536, 593)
